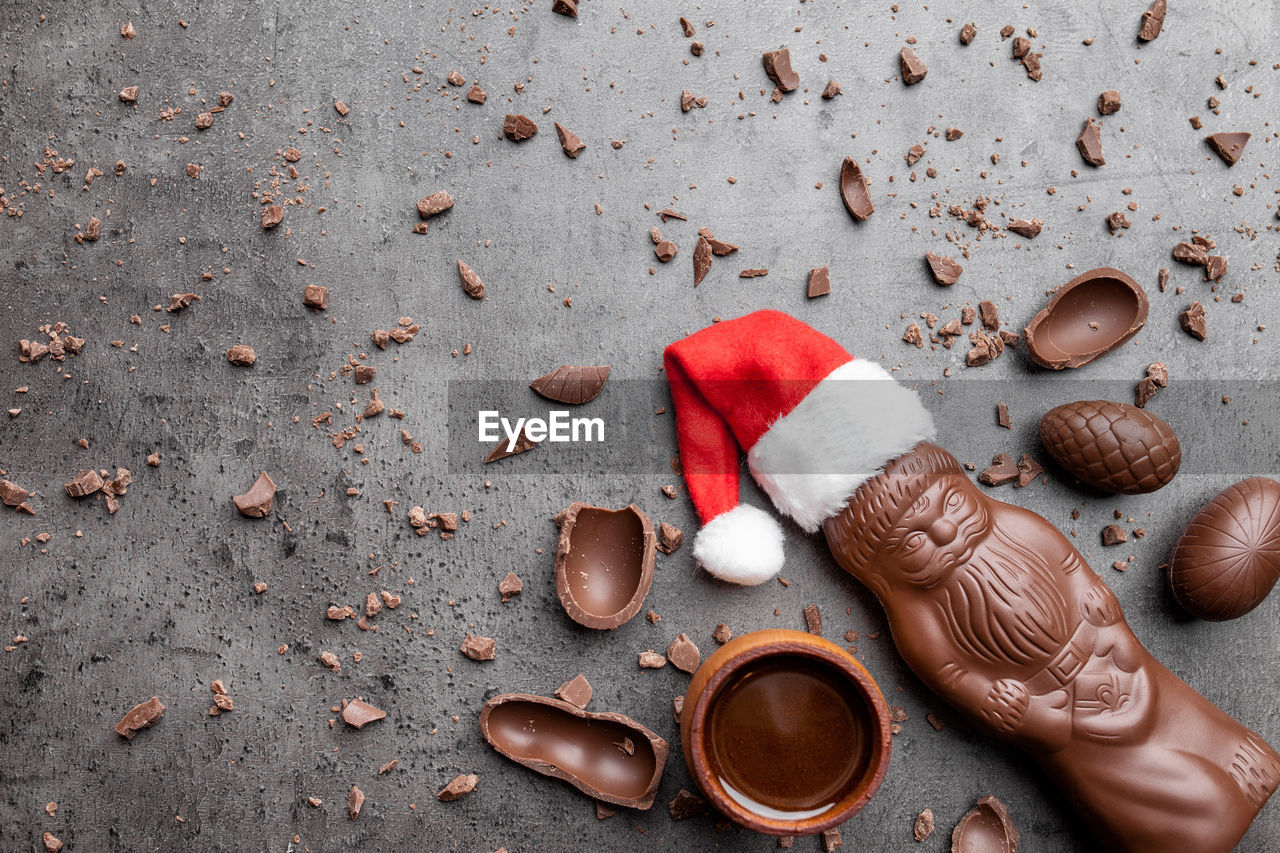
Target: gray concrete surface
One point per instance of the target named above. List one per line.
(158, 599)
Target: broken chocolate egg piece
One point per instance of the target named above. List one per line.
(604, 563)
(256, 503)
(605, 755)
(985, 828)
(1088, 317)
(854, 190)
(572, 384)
(1228, 558)
(1115, 447)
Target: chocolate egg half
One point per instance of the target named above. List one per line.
(1229, 556)
(604, 563)
(1114, 446)
(1088, 317)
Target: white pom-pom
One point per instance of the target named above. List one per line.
(743, 545)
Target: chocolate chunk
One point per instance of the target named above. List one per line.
(914, 153)
(1028, 470)
(500, 451)
(1191, 253)
(684, 654)
(12, 494)
(1026, 227)
(1117, 221)
(665, 251)
(139, 717)
(832, 89)
(1193, 321)
(813, 620)
(256, 503)
(650, 659)
(1112, 446)
(854, 190)
(316, 296)
(1152, 21)
(604, 563)
(360, 713)
(518, 128)
(1089, 316)
(1228, 558)
(471, 283)
(242, 355)
(701, 260)
(987, 827)
(437, 202)
(572, 384)
(510, 586)
(84, 483)
(1228, 146)
(479, 648)
(576, 691)
(923, 827)
(1113, 534)
(777, 64)
(558, 739)
(686, 805)
(967, 33)
(569, 141)
(945, 269)
(1002, 416)
(670, 538)
(819, 282)
(272, 215)
(1003, 470)
(1109, 102)
(1089, 143)
(912, 67)
(355, 801)
(568, 8)
(465, 783)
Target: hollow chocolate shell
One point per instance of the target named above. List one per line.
(605, 755)
(1088, 317)
(785, 732)
(604, 563)
(1228, 558)
(1113, 446)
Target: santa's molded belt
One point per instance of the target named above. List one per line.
(1066, 665)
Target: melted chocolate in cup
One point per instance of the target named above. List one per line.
(789, 737)
(785, 733)
(604, 563)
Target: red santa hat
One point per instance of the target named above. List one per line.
(814, 422)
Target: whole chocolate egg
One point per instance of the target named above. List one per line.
(1229, 556)
(1114, 446)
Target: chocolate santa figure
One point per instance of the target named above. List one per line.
(988, 603)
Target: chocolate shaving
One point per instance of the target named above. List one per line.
(854, 190)
(572, 384)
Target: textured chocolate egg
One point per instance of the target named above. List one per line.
(1114, 446)
(1229, 556)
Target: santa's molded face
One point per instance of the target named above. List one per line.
(936, 534)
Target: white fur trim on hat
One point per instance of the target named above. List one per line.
(743, 545)
(854, 422)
